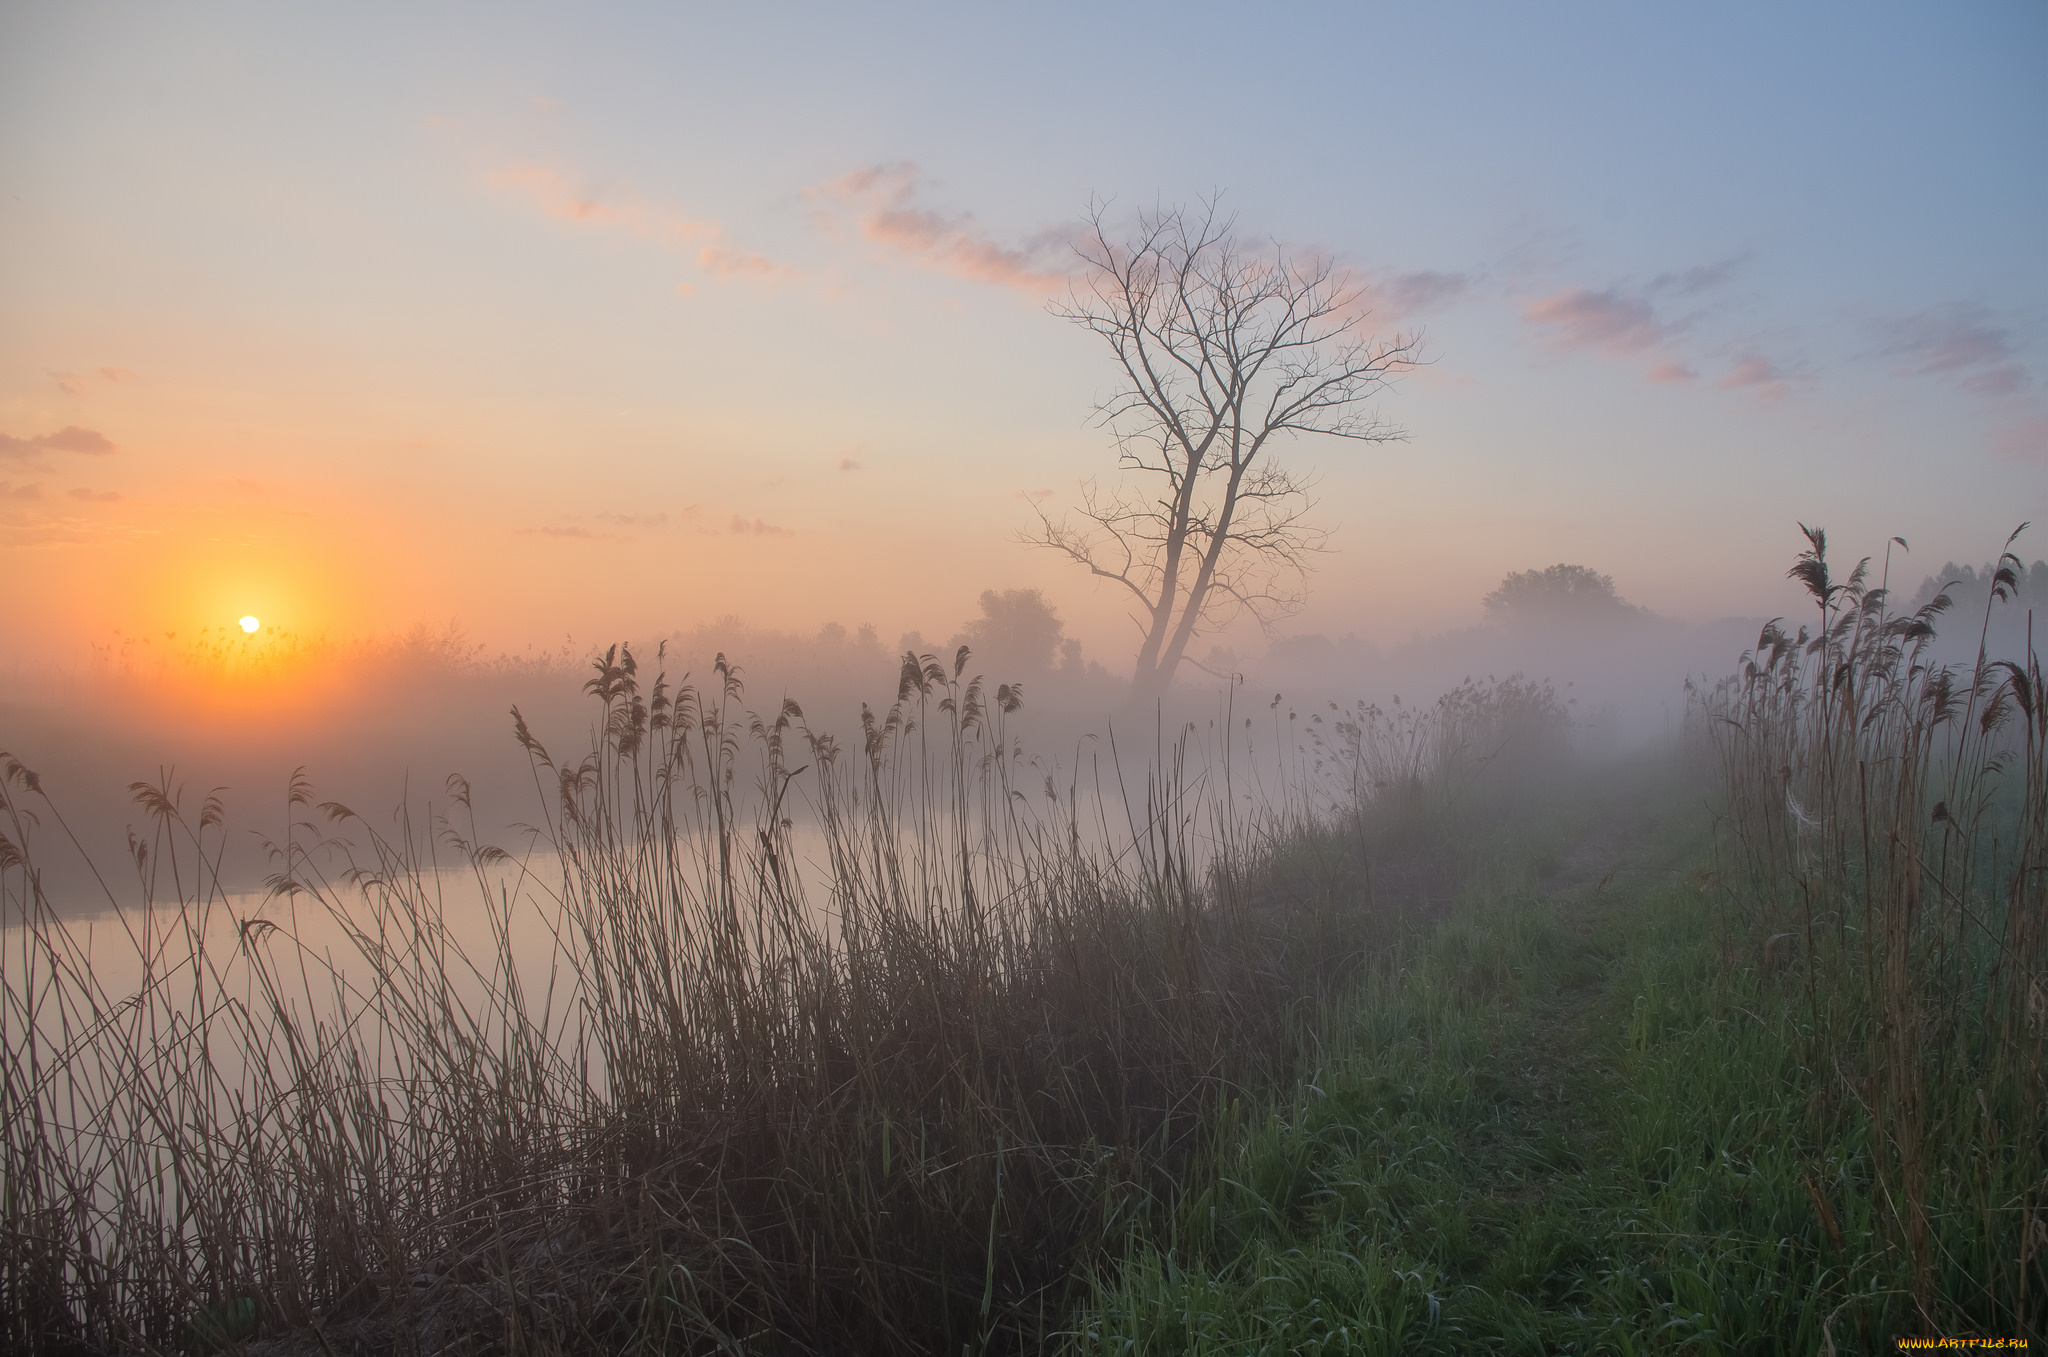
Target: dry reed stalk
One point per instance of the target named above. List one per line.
(908, 1114)
(1868, 787)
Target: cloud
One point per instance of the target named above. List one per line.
(1753, 370)
(848, 464)
(1611, 321)
(70, 438)
(741, 527)
(882, 197)
(561, 198)
(570, 531)
(619, 527)
(31, 491)
(1960, 342)
(2026, 441)
(1693, 281)
(81, 383)
(725, 263)
(1634, 323)
(1408, 294)
(95, 496)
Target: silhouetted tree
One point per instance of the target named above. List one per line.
(1559, 594)
(1016, 635)
(1223, 349)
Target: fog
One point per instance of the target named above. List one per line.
(380, 724)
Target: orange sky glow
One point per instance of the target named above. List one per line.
(359, 331)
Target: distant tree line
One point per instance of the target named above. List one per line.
(1568, 595)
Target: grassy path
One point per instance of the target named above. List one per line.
(1554, 1123)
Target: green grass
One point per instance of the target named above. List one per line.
(1412, 1060)
(1574, 1120)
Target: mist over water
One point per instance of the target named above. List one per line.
(380, 726)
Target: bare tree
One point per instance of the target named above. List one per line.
(1224, 349)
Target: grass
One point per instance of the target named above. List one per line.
(1775, 1085)
(726, 1113)
(1562, 1122)
(1386, 1054)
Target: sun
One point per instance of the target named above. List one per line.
(249, 624)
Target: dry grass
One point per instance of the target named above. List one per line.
(902, 1103)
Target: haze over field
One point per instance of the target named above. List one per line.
(454, 345)
(1090, 679)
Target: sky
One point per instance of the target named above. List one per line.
(584, 322)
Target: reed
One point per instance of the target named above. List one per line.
(1886, 835)
(903, 1099)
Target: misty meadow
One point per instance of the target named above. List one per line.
(716, 681)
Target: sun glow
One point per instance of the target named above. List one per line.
(249, 624)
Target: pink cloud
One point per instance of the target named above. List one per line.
(882, 197)
(2026, 441)
(848, 464)
(724, 262)
(31, 491)
(1755, 371)
(1629, 323)
(2005, 380)
(557, 196)
(1962, 342)
(561, 199)
(755, 528)
(1611, 321)
(70, 438)
(95, 496)
(1408, 294)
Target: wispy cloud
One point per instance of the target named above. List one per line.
(1964, 343)
(70, 438)
(742, 527)
(1617, 323)
(848, 464)
(1756, 371)
(1400, 295)
(561, 197)
(613, 526)
(82, 383)
(30, 491)
(726, 263)
(882, 199)
(1656, 324)
(1693, 281)
(2025, 441)
(568, 532)
(642, 520)
(95, 496)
